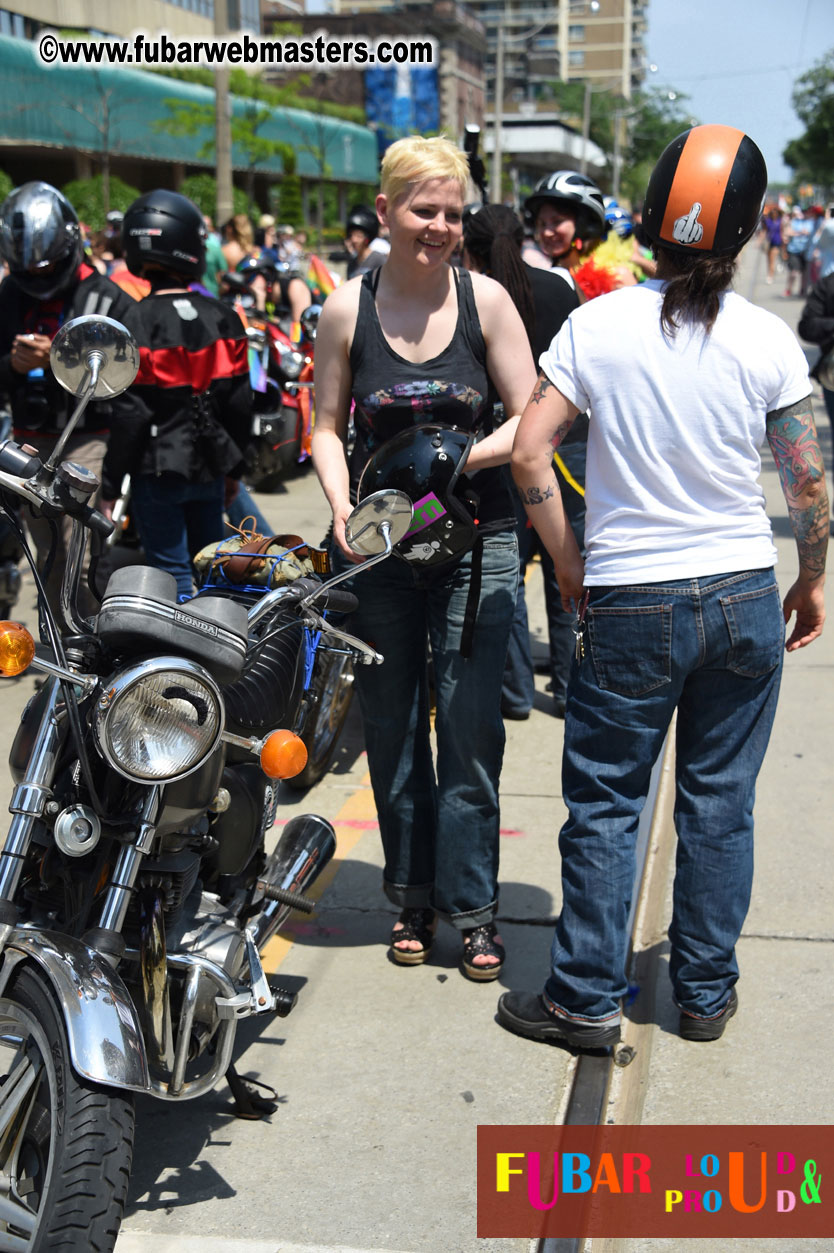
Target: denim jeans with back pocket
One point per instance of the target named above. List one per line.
(712, 648)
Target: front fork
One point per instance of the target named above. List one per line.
(29, 801)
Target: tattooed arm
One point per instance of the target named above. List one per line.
(793, 441)
(544, 424)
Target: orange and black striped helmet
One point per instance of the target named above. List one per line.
(706, 191)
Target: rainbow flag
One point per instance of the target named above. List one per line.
(320, 280)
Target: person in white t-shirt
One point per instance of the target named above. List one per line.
(677, 602)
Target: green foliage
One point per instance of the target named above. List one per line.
(811, 155)
(657, 121)
(6, 185)
(202, 189)
(192, 118)
(87, 198)
(250, 86)
(647, 122)
(288, 203)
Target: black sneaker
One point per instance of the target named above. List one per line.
(526, 1014)
(700, 1029)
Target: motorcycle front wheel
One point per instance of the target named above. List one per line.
(329, 697)
(66, 1146)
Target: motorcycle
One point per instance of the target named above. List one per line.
(136, 895)
(281, 370)
(10, 549)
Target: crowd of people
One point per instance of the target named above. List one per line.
(799, 243)
(590, 386)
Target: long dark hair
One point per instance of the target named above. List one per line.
(694, 283)
(493, 236)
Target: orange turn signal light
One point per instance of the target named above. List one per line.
(283, 755)
(17, 648)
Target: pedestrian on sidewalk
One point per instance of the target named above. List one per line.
(771, 227)
(492, 241)
(416, 344)
(678, 604)
(816, 326)
(192, 400)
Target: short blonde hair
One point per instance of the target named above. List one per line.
(416, 159)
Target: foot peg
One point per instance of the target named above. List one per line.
(294, 899)
(285, 1002)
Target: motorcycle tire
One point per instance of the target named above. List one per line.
(66, 1153)
(329, 698)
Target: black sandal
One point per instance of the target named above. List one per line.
(482, 942)
(414, 924)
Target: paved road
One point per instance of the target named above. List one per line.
(384, 1073)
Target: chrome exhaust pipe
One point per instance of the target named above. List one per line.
(304, 849)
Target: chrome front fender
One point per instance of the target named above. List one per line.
(105, 1039)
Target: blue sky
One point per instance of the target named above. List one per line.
(738, 60)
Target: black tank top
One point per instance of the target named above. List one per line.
(390, 393)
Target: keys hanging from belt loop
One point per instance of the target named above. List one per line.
(579, 626)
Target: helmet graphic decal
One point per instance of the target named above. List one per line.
(423, 552)
(706, 191)
(426, 510)
(688, 230)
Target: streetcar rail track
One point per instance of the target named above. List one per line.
(609, 1086)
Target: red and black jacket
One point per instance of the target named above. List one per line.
(192, 413)
(39, 405)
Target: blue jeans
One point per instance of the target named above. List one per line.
(519, 688)
(712, 647)
(439, 829)
(175, 519)
(242, 507)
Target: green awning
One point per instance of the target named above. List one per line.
(101, 108)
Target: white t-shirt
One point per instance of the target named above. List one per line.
(676, 428)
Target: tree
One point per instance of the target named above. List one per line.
(289, 206)
(6, 185)
(647, 122)
(191, 117)
(202, 189)
(811, 155)
(655, 119)
(92, 201)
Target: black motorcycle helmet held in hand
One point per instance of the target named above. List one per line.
(426, 462)
(40, 239)
(166, 231)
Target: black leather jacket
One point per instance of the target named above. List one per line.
(39, 405)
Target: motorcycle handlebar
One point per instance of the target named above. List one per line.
(19, 471)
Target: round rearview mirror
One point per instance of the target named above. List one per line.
(94, 347)
(363, 529)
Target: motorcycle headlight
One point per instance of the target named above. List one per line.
(159, 720)
(292, 362)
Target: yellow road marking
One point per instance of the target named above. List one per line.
(357, 815)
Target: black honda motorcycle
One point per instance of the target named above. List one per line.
(136, 895)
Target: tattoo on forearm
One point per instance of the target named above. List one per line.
(792, 436)
(543, 384)
(535, 495)
(810, 527)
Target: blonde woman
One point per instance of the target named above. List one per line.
(416, 342)
(238, 240)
